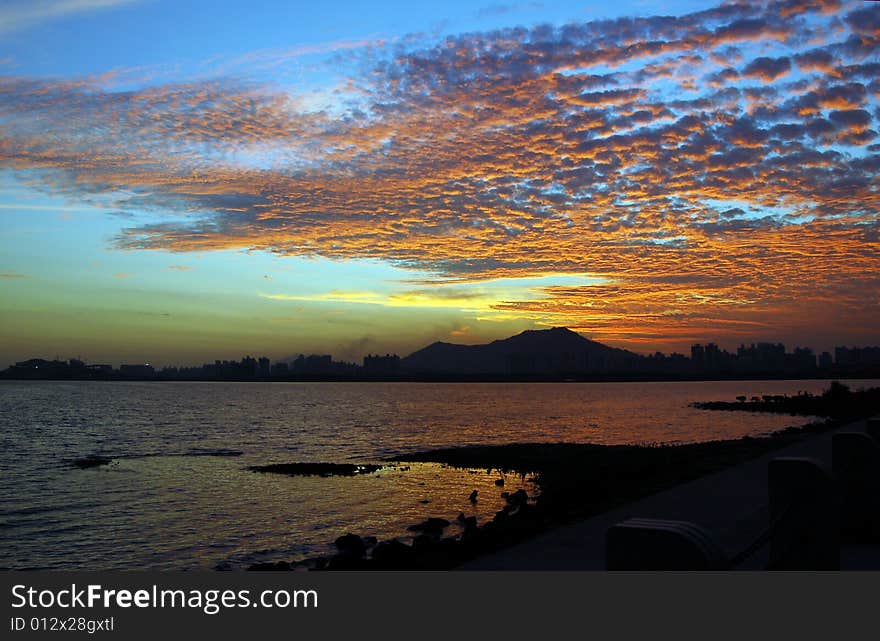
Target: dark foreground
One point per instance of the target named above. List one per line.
(577, 481)
(838, 401)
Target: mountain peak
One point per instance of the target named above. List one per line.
(554, 335)
(531, 352)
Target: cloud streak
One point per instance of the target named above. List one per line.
(16, 15)
(436, 298)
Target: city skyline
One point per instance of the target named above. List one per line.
(185, 181)
(706, 358)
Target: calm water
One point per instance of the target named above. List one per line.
(171, 500)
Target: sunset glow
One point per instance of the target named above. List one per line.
(291, 182)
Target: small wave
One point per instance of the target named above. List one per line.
(209, 452)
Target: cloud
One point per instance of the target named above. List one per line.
(816, 60)
(335, 296)
(865, 21)
(855, 119)
(16, 15)
(628, 149)
(13, 275)
(723, 77)
(121, 275)
(767, 69)
(270, 59)
(788, 8)
(494, 10)
(180, 268)
(462, 332)
(426, 298)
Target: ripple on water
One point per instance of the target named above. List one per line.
(179, 494)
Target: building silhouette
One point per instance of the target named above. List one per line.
(137, 370)
(534, 354)
(376, 366)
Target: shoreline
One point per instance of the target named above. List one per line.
(574, 481)
(480, 378)
(581, 481)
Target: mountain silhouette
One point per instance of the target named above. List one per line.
(556, 351)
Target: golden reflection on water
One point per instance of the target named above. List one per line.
(180, 512)
(164, 504)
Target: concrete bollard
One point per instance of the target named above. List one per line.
(855, 460)
(805, 531)
(872, 427)
(653, 544)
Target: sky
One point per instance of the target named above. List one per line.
(181, 182)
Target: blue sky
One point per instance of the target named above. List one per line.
(179, 38)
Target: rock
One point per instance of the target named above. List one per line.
(520, 497)
(423, 543)
(393, 554)
(430, 526)
(351, 545)
(468, 523)
(316, 469)
(473, 497)
(343, 562)
(92, 461)
(434, 554)
(499, 482)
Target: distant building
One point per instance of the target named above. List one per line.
(321, 366)
(100, 369)
(318, 364)
(856, 356)
(763, 357)
(40, 368)
(698, 356)
(37, 363)
(710, 358)
(138, 370)
(249, 367)
(825, 360)
(801, 359)
(376, 366)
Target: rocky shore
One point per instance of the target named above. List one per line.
(315, 469)
(575, 481)
(838, 401)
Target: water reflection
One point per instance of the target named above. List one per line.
(169, 501)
